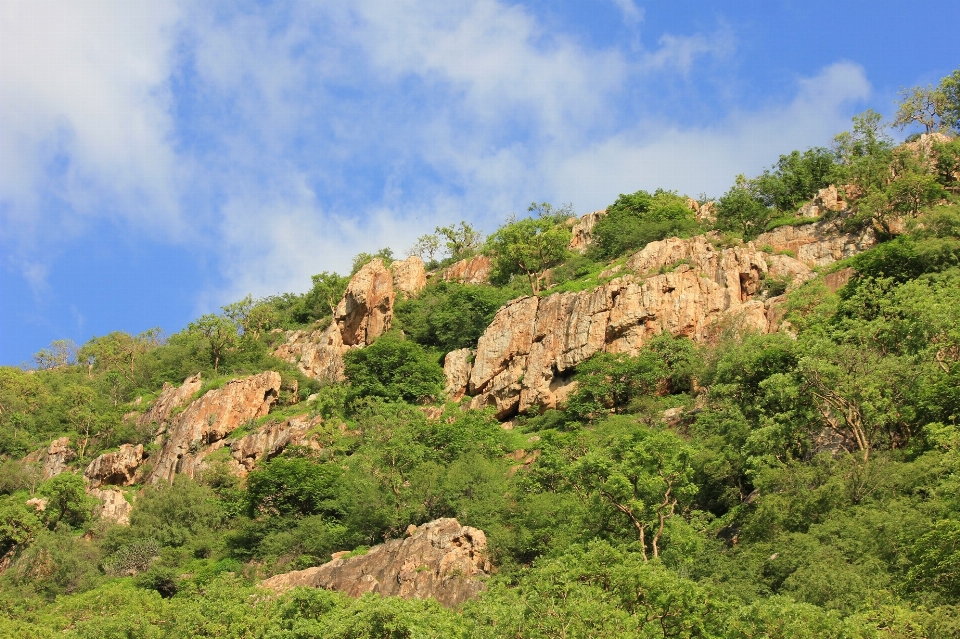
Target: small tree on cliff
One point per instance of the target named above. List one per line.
(530, 246)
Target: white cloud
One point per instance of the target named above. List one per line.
(632, 14)
(84, 108)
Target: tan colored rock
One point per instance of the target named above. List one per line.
(38, 503)
(56, 457)
(118, 468)
(473, 270)
(113, 507)
(838, 279)
(270, 440)
(366, 310)
(526, 357)
(439, 560)
(317, 354)
(582, 231)
(817, 244)
(707, 213)
(409, 276)
(456, 368)
(171, 398)
(208, 420)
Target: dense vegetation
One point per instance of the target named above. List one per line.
(778, 485)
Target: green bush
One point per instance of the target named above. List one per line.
(394, 369)
(635, 220)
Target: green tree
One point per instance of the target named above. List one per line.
(220, 334)
(637, 219)
(394, 369)
(293, 487)
(461, 240)
(742, 209)
(362, 259)
(119, 351)
(528, 246)
(67, 501)
(921, 105)
(950, 88)
(426, 247)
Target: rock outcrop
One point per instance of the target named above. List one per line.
(817, 244)
(113, 506)
(582, 231)
(366, 310)
(208, 420)
(687, 287)
(118, 468)
(827, 199)
(364, 313)
(456, 368)
(171, 398)
(54, 459)
(440, 560)
(409, 276)
(269, 441)
(473, 270)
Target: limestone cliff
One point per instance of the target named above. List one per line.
(473, 270)
(440, 560)
(118, 468)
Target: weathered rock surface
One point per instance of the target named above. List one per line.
(208, 420)
(525, 357)
(409, 276)
(440, 560)
(118, 468)
(364, 313)
(366, 310)
(171, 398)
(817, 244)
(54, 459)
(826, 199)
(269, 441)
(582, 231)
(473, 270)
(456, 368)
(113, 507)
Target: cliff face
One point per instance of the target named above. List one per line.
(364, 313)
(439, 560)
(208, 420)
(687, 287)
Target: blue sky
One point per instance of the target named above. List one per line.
(161, 159)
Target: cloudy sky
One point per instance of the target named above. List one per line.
(160, 159)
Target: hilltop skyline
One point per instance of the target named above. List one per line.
(159, 160)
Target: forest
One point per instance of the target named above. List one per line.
(796, 483)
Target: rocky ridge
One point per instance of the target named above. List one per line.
(440, 560)
(364, 313)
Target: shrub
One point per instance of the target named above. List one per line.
(637, 219)
(394, 369)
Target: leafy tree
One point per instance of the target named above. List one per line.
(362, 259)
(62, 352)
(635, 220)
(67, 501)
(426, 247)
(795, 179)
(18, 522)
(173, 515)
(528, 246)
(741, 209)
(950, 88)
(922, 105)
(461, 240)
(219, 333)
(119, 351)
(286, 487)
(394, 369)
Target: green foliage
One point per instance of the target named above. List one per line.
(385, 255)
(529, 246)
(448, 316)
(172, 515)
(460, 240)
(293, 487)
(795, 179)
(635, 220)
(67, 501)
(395, 369)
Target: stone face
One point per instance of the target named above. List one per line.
(208, 420)
(113, 507)
(526, 356)
(317, 354)
(56, 457)
(171, 398)
(456, 368)
(270, 441)
(366, 310)
(118, 468)
(409, 276)
(439, 560)
(817, 244)
(582, 231)
(474, 270)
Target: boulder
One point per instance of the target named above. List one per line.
(582, 231)
(317, 354)
(473, 270)
(55, 459)
(456, 368)
(409, 276)
(208, 420)
(439, 560)
(366, 310)
(118, 468)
